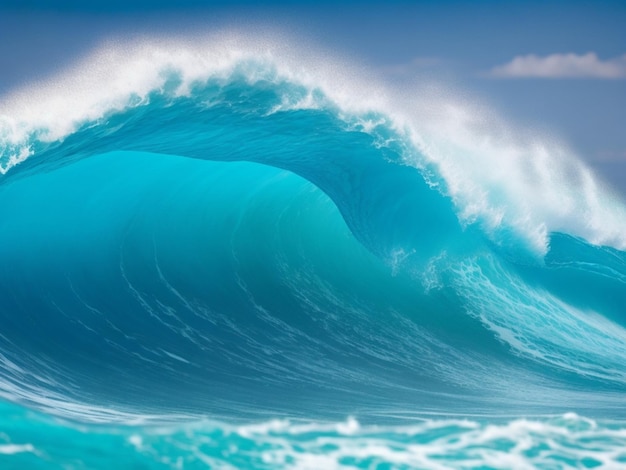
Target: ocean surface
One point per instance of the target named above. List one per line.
(231, 253)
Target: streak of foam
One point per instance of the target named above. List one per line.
(10, 449)
(541, 327)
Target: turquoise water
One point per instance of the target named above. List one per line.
(233, 266)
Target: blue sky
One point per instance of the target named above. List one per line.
(558, 66)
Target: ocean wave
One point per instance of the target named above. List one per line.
(235, 228)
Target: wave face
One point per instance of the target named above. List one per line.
(235, 239)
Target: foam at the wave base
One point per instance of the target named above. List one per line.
(567, 441)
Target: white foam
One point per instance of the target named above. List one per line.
(500, 176)
(563, 441)
(566, 441)
(119, 75)
(506, 176)
(10, 449)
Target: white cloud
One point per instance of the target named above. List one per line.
(562, 66)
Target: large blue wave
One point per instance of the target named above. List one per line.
(245, 245)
